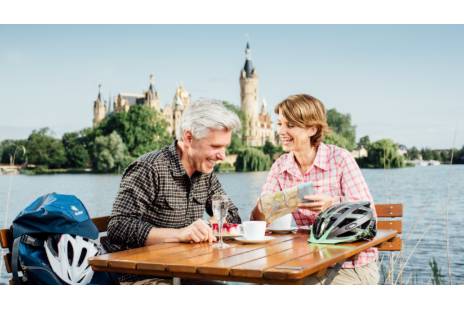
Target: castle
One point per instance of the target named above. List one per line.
(258, 123)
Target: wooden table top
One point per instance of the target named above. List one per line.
(287, 259)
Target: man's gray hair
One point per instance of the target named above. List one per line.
(206, 114)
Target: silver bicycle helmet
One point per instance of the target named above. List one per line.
(345, 222)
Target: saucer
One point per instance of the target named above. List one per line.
(283, 231)
(264, 240)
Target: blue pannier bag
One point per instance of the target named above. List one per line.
(53, 238)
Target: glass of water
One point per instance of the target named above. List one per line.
(220, 208)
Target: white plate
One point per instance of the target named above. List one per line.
(227, 236)
(283, 231)
(264, 240)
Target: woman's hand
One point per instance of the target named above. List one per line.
(318, 202)
(257, 213)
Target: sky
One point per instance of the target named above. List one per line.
(403, 82)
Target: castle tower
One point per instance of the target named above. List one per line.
(99, 109)
(174, 111)
(249, 99)
(180, 102)
(151, 96)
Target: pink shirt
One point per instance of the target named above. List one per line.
(334, 173)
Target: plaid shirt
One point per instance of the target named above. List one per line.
(334, 173)
(156, 191)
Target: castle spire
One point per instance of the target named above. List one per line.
(248, 67)
(152, 81)
(99, 92)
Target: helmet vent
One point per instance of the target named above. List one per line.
(82, 257)
(347, 234)
(70, 252)
(346, 221)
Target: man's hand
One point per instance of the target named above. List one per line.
(198, 231)
(319, 202)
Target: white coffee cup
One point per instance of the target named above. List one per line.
(254, 230)
(282, 223)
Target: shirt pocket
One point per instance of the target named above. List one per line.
(198, 204)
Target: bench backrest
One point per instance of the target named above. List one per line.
(389, 216)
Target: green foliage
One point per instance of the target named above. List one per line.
(427, 154)
(448, 156)
(364, 142)
(413, 153)
(341, 124)
(13, 150)
(338, 140)
(382, 154)
(458, 157)
(252, 159)
(142, 129)
(75, 149)
(271, 149)
(44, 149)
(224, 167)
(110, 153)
(237, 138)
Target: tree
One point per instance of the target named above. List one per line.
(364, 142)
(13, 150)
(427, 154)
(110, 153)
(142, 129)
(384, 154)
(252, 159)
(338, 140)
(341, 124)
(271, 149)
(413, 153)
(458, 156)
(436, 155)
(75, 149)
(237, 137)
(44, 149)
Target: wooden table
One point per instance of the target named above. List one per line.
(287, 259)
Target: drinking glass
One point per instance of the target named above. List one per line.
(220, 209)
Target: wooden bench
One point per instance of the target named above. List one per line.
(389, 217)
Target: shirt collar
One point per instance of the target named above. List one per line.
(176, 166)
(322, 156)
(320, 161)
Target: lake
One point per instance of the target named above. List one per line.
(426, 192)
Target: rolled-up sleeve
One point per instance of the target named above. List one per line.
(216, 188)
(127, 228)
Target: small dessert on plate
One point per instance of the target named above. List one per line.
(228, 230)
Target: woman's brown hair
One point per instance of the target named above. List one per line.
(304, 111)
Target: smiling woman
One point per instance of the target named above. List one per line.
(331, 170)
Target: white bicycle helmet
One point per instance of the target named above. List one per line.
(68, 257)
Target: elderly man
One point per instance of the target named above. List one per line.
(163, 194)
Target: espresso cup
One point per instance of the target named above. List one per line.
(254, 230)
(282, 223)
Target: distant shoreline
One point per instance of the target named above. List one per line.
(46, 171)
